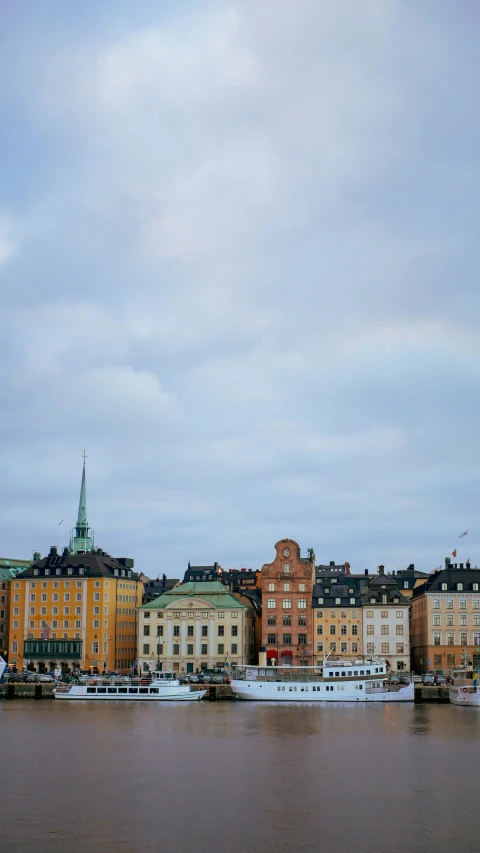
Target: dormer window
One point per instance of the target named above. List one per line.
(372, 601)
(81, 570)
(47, 571)
(70, 570)
(338, 601)
(405, 584)
(444, 586)
(58, 571)
(460, 586)
(35, 572)
(327, 591)
(115, 571)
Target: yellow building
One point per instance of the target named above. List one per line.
(75, 610)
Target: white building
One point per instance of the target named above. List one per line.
(385, 623)
(193, 627)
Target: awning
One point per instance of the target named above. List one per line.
(286, 653)
(271, 653)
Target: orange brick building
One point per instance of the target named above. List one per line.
(287, 623)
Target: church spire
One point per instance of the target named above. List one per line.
(82, 542)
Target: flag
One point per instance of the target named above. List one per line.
(475, 678)
(227, 662)
(465, 533)
(46, 633)
(454, 553)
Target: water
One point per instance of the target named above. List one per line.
(238, 777)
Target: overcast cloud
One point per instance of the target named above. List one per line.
(239, 265)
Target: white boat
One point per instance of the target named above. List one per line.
(160, 687)
(465, 689)
(335, 681)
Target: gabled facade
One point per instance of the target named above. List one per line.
(287, 620)
(337, 616)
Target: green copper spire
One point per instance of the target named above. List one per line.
(82, 541)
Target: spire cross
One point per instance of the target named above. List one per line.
(84, 458)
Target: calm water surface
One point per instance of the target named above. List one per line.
(239, 777)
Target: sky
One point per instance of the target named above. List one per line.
(239, 267)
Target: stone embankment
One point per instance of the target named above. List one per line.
(27, 691)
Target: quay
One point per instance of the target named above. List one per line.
(215, 692)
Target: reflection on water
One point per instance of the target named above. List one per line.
(239, 777)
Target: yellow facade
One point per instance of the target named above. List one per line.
(81, 612)
(338, 631)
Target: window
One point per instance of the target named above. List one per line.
(78, 611)
(221, 649)
(146, 630)
(44, 596)
(55, 596)
(399, 614)
(354, 648)
(66, 611)
(15, 647)
(204, 630)
(319, 630)
(355, 630)
(476, 620)
(286, 603)
(234, 630)
(460, 587)
(78, 596)
(437, 660)
(450, 660)
(286, 587)
(476, 639)
(384, 614)
(272, 639)
(302, 604)
(343, 630)
(369, 614)
(385, 629)
(287, 639)
(343, 614)
(449, 603)
(159, 648)
(333, 646)
(338, 601)
(301, 587)
(234, 614)
(344, 648)
(476, 603)
(204, 649)
(286, 568)
(95, 647)
(234, 648)
(189, 648)
(450, 619)
(15, 623)
(352, 601)
(302, 620)
(189, 629)
(369, 629)
(475, 587)
(436, 619)
(271, 603)
(160, 631)
(32, 596)
(385, 648)
(271, 587)
(95, 623)
(463, 619)
(436, 604)
(319, 647)
(271, 620)
(463, 639)
(43, 611)
(96, 611)
(221, 614)
(444, 586)
(399, 630)
(302, 639)
(436, 638)
(176, 630)
(463, 604)
(450, 638)
(176, 649)
(333, 630)
(55, 611)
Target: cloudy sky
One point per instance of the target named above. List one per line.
(239, 265)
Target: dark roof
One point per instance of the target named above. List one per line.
(152, 589)
(452, 577)
(329, 591)
(93, 565)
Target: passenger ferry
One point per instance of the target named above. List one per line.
(335, 681)
(158, 687)
(465, 690)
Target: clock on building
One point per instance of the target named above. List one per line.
(286, 553)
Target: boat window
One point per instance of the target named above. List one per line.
(133, 689)
(337, 674)
(356, 672)
(362, 672)
(143, 689)
(368, 672)
(112, 690)
(376, 669)
(360, 686)
(154, 690)
(344, 673)
(101, 689)
(91, 690)
(122, 690)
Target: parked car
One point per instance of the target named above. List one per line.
(45, 676)
(15, 678)
(439, 679)
(32, 676)
(194, 679)
(428, 678)
(404, 679)
(417, 679)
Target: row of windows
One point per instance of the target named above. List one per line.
(205, 614)
(342, 647)
(286, 639)
(66, 584)
(286, 620)
(343, 630)
(287, 603)
(462, 603)
(450, 638)
(450, 619)
(286, 587)
(221, 649)
(190, 630)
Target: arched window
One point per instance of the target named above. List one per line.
(287, 603)
(302, 603)
(271, 603)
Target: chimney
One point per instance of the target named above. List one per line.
(461, 565)
(447, 563)
(467, 564)
(332, 562)
(53, 551)
(381, 570)
(366, 571)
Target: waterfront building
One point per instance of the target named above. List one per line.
(9, 569)
(445, 620)
(385, 622)
(337, 621)
(195, 626)
(287, 620)
(76, 609)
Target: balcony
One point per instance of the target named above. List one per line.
(286, 576)
(53, 649)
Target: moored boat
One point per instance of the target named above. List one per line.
(158, 687)
(464, 689)
(335, 681)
